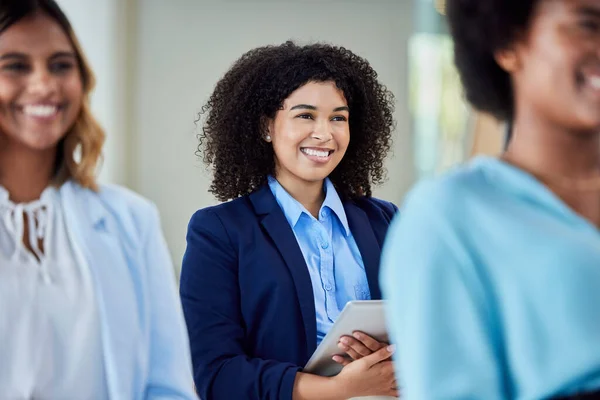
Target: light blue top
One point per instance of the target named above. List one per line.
(494, 289)
(144, 344)
(334, 262)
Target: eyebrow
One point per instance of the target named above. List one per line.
(12, 56)
(61, 54)
(310, 107)
(22, 56)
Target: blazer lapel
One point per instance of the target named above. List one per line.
(277, 227)
(98, 243)
(367, 243)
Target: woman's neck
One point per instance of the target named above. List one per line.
(25, 173)
(544, 148)
(310, 194)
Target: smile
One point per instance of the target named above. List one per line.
(590, 77)
(317, 154)
(594, 82)
(40, 110)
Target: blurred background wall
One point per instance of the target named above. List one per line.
(157, 61)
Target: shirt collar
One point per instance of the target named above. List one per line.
(334, 203)
(292, 209)
(3, 195)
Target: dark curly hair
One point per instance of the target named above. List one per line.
(479, 29)
(254, 89)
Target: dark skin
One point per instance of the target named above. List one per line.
(555, 71)
(357, 346)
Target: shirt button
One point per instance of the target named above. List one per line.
(324, 245)
(328, 287)
(324, 214)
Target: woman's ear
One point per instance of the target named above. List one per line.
(267, 129)
(507, 59)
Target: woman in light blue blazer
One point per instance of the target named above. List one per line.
(88, 304)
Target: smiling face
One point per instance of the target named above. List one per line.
(555, 65)
(41, 90)
(310, 134)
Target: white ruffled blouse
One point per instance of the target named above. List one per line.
(50, 337)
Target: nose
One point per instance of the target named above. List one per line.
(322, 131)
(42, 83)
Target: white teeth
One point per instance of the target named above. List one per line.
(40, 110)
(594, 82)
(315, 153)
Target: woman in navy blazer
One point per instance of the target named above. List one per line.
(296, 136)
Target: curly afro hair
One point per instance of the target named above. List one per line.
(254, 89)
(480, 28)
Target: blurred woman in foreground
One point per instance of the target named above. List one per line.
(493, 271)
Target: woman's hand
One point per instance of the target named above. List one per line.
(357, 346)
(371, 375)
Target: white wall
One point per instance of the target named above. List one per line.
(184, 46)
(101, 26)
(157, 61)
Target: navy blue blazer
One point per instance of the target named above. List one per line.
(247, 295)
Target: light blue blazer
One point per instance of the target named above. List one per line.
(145, 344)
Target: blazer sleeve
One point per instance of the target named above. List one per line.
(170, 374)
(210, 296)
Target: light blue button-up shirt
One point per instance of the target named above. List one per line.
(332, 257)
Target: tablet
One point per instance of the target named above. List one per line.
(360, 315)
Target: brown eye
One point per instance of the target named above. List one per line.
(16, 67)
(590, 25)
(61, 67)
